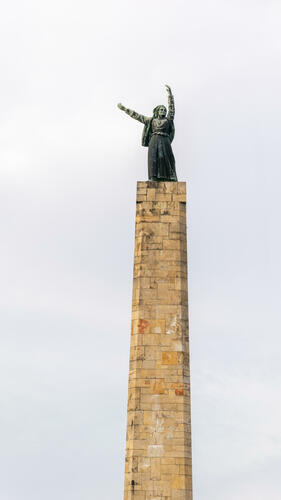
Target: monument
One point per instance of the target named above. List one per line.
(158, 462)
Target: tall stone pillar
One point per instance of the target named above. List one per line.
(158, 450)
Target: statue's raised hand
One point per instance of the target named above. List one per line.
(120, 106)
(168, 89)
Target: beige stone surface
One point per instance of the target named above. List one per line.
(158, 448)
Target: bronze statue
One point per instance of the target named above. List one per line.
(158, 133)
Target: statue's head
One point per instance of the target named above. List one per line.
(160, 111)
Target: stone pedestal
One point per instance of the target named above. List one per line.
(158, 450)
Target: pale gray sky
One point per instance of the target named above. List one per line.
(69, 163)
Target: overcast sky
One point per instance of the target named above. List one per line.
(69, 163)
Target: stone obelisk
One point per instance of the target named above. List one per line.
(158, 451)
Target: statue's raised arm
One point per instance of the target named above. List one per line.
(158, 134)
(171, 104)
(133, 114)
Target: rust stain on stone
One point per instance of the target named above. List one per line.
(142, 325)
(179, 392)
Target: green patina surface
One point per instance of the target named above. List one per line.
(158, 134)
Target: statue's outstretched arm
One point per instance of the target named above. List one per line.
(133, 114)
(171, 103)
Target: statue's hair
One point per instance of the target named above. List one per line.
(155, 111)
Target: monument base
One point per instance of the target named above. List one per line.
(158, 451)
